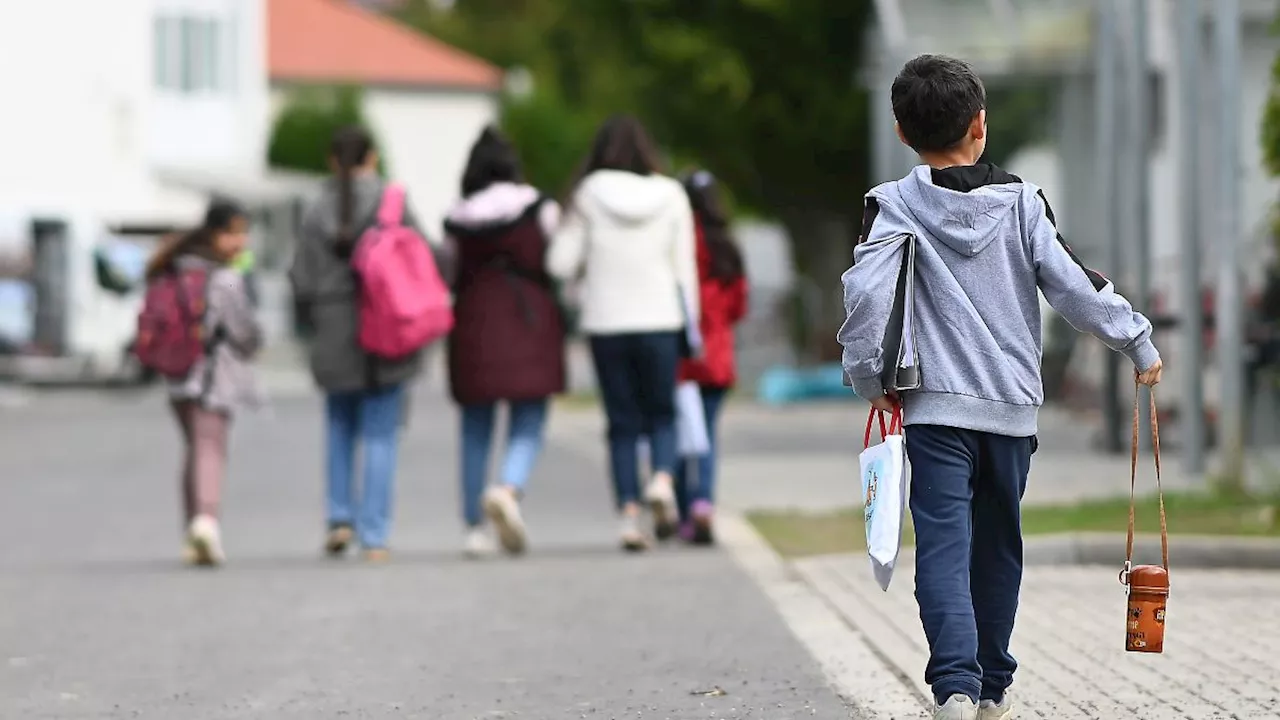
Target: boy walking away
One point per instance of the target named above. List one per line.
(985, 243)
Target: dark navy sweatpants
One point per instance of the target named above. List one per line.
(966, 492)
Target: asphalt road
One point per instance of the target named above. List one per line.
(99, 620)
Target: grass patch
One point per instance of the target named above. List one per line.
(799, 534)
(578, 401)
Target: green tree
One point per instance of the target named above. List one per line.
(1270, 131)
(577, 72)
(765, 93)
(300, 138)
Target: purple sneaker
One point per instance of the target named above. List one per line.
(687, 531)
(701, 515)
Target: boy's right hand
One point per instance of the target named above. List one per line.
(886, 403)
(1151, 376)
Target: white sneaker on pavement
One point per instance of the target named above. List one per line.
(959, 707)
(661, 498)
(206, 541)
(991, 710)
(503, 509)
(477, 544)
(629, 533)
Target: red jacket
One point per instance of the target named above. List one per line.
(724, 304)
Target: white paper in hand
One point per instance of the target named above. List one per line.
(884, 492)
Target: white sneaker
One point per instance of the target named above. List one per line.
(990, 710)
(504, 510)
(629, 532)
(206, 541)
(959, 707)
(662, 502)
(477, 544)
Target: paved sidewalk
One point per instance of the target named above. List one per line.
(1219, 654)
(98, 620)
(1219, 658)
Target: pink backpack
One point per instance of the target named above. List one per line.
(404, 303)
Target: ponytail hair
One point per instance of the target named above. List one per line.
(199, 241)
(348, 150)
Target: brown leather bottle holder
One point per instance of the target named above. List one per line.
(1147, 585)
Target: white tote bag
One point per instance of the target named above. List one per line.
(692, 439)
(884, 492)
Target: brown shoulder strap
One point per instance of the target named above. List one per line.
(1133, 482)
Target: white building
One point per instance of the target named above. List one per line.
(132, 112)
(152, 86)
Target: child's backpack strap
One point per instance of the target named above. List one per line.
(391, 211)
(870, 211)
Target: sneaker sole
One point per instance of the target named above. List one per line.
(510, 534)
(204, 555)
(634, 545)
(990, 714)
(665, 518)
(702, 533)
(337, 543)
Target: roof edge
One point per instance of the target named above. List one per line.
(470, 88)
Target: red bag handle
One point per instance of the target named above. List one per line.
(894, 427)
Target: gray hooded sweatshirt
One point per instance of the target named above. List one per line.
(985, 244)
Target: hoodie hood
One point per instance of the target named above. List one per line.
(964, 208)
(498, 205)
(367, 191)
(630, 198)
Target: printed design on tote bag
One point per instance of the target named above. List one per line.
(872, 481)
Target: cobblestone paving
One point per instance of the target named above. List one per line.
(1219, 659)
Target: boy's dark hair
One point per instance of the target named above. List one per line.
(935, 98)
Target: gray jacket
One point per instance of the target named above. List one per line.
(229, 382)
(324, 287)
(986, 245)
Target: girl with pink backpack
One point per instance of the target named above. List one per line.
(355, 259)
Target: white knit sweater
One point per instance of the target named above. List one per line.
(631, 238)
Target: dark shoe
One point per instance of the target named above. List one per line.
(336, 542)
(702, 515)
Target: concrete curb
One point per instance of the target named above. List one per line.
(1194, 552)
(861, 675)
(1201, 552)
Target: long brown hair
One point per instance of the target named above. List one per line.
(621, 143)
(349, 149)
(726, 259)
(220, 216)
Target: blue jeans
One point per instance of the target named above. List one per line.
(371, 418)
(636, 373)
(524, 443)
(703, 486)
(966, 493)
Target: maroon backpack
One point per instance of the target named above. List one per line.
(171, 334)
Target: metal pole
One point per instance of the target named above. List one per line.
(1105, 67)
(883, 136)
(1137, 148)
(1229, 311)
(1190, 44)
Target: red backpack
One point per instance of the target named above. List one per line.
(171, 336)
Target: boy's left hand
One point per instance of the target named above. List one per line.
(886, 403)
